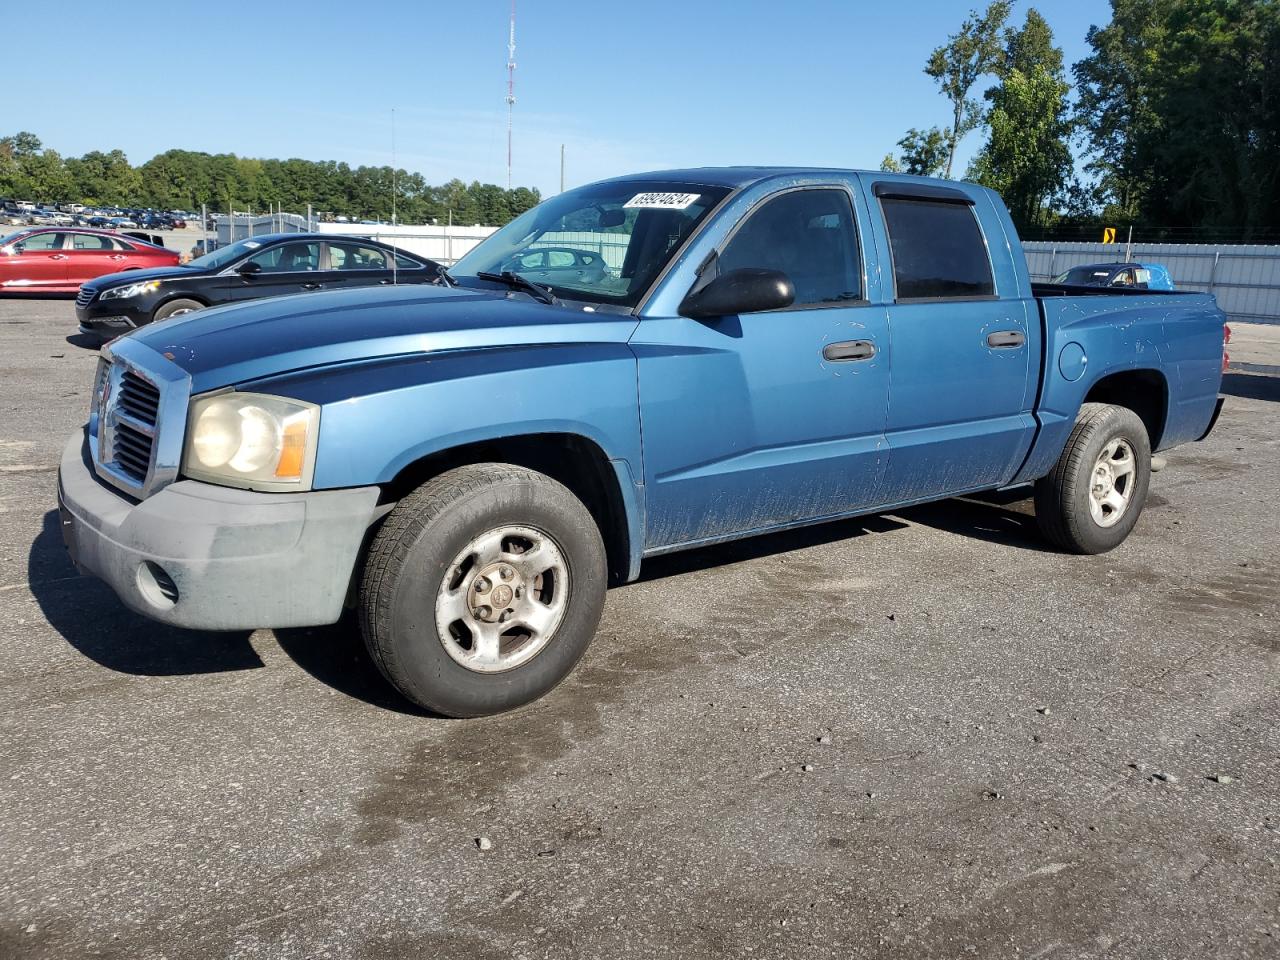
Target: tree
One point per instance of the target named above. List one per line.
(963, 60)
(924, 153)
(1182, 113)
(1026, 157)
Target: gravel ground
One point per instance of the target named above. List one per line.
(914, 735)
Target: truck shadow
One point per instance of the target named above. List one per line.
(92, 619)
(1252, 386)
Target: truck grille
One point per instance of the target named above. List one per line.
(138, 398)
(137, 416)
(84, 297)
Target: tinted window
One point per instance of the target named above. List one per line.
(938, 250)
(807, 234)
(405, 263)
(350, 256)
(289, 258)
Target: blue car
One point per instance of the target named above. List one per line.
(469, 466)
(1142, 276)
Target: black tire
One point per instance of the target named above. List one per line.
(412, 553)
(1063, 509)
(167, 310)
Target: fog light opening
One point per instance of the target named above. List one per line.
(156, 586)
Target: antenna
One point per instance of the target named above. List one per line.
(511, 85)
(395, 276)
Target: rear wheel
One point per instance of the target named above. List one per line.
(176, 308)
(1095, 493)
(482, 589)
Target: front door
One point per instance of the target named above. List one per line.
(292, 267)
(765, 419)
(36, 262)
(965, 354)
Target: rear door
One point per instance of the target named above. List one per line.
(355, 264)
(91, 255)
(966, 343)
(289, 267)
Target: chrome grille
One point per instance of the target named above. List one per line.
(132, 452)
(138, 398)
(84, 297)
(137, 420)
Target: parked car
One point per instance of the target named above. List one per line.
(41, 218)
(123, 223)
(13, 218)
(59, 260)
(1144, 276)
(471, 464)
(558, 264)
(263, 266)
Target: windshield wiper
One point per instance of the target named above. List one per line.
(445, 277)
(517, 282)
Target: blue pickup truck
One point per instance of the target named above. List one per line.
(694, 356)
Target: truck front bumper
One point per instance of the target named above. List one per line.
(215, 558)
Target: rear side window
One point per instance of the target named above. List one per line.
(90, 241)
(349, 256)
(938, 250)
(807, 234)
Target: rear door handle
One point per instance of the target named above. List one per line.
(384, 281)
(311, 286)
(57, 256)
(1006, 339)
(116, 256)
(849, 350)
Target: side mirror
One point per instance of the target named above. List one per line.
(748, 290)
(249, 268)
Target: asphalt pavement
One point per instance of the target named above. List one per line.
(913, 735)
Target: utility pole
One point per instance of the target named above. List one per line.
(511, 85)
(562, 168)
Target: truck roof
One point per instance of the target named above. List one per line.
(742, 176)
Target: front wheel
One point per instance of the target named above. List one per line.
(482, 589)
(176, 308)
(1095, 493)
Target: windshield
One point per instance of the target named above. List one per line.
(605, 242)
(11, 238)
(224, 255)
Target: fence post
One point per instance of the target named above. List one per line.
(1213, 270)
(1053, 261)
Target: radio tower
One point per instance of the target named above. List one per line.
(511, 85)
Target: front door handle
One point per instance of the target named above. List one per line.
(849, 350)
(57, 256)
(384, 281)
(1006, 339)
(311, 286)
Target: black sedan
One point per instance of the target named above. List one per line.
(264, 266)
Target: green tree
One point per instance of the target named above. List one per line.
(924, 153)
(1182, 112)
(961, 62)
(1026, 157)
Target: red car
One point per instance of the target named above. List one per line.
(59, 259)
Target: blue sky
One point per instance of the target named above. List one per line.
(626, 86)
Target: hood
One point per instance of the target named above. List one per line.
(224, 346)
(136, 276)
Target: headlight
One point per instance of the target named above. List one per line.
(251, 440)
(130, 290)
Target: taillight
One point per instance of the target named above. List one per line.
(1226, 338)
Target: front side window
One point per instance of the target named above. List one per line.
(938, 250)
(42, 241)
(807, 234)
(350, 256)
(289, 258)
(631, 228)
